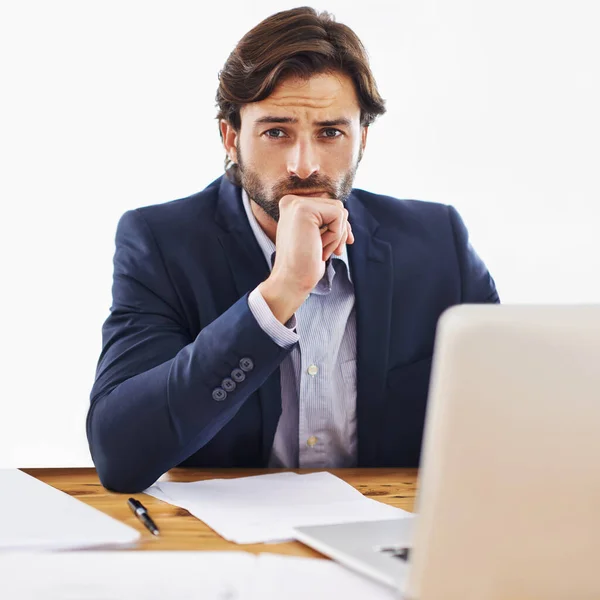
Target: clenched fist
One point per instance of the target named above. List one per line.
(311, 228)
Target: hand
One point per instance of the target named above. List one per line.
(309, 231)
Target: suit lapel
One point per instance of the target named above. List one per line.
(372, 272)
(249, 268)
(242, 251)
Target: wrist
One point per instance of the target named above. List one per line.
(281, 299)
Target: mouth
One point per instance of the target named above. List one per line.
(310, 194)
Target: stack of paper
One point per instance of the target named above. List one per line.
(36, 516)
(180, 575)
(266, 508)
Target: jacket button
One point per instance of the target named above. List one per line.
(228, 384)
(219, 394)
(238, 375)
(246, 364)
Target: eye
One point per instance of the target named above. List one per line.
(332, 133)
(274, 133)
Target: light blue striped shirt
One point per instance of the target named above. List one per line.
(317, 427)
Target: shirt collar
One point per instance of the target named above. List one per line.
(268, 247)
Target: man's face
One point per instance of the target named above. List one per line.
(304, 138)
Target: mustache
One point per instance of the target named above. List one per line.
(311, 183)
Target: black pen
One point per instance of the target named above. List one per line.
(139, 510)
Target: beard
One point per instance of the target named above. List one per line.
(268, 197)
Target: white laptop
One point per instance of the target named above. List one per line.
(509, 486)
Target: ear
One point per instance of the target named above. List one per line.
(229, 137)
(363, 141)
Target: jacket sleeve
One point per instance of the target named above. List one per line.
(153, 403)
(477, 285)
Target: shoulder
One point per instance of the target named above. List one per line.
(196, 207)
(393, 213)
(174, 216)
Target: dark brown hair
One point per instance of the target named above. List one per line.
(298, 42)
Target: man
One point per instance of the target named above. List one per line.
(279, 317)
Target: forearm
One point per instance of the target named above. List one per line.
(155, 419)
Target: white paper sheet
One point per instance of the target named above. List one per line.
(36, 516)
(295, 578)
(179, 575)
(266, 508)
(128, 576)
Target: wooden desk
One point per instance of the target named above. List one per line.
(181, 531)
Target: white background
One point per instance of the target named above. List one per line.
(492, 107)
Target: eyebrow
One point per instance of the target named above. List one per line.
(282, 120)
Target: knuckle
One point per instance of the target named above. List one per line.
(301, 207)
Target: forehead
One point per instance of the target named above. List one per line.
(326, 95)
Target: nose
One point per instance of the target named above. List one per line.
(303, 160)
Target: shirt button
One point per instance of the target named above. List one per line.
(313, 370)
(311, 441)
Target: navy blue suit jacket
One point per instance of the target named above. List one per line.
(180, 323)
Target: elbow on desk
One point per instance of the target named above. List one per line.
(121, 478)
(118, 462)
(123, 486)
